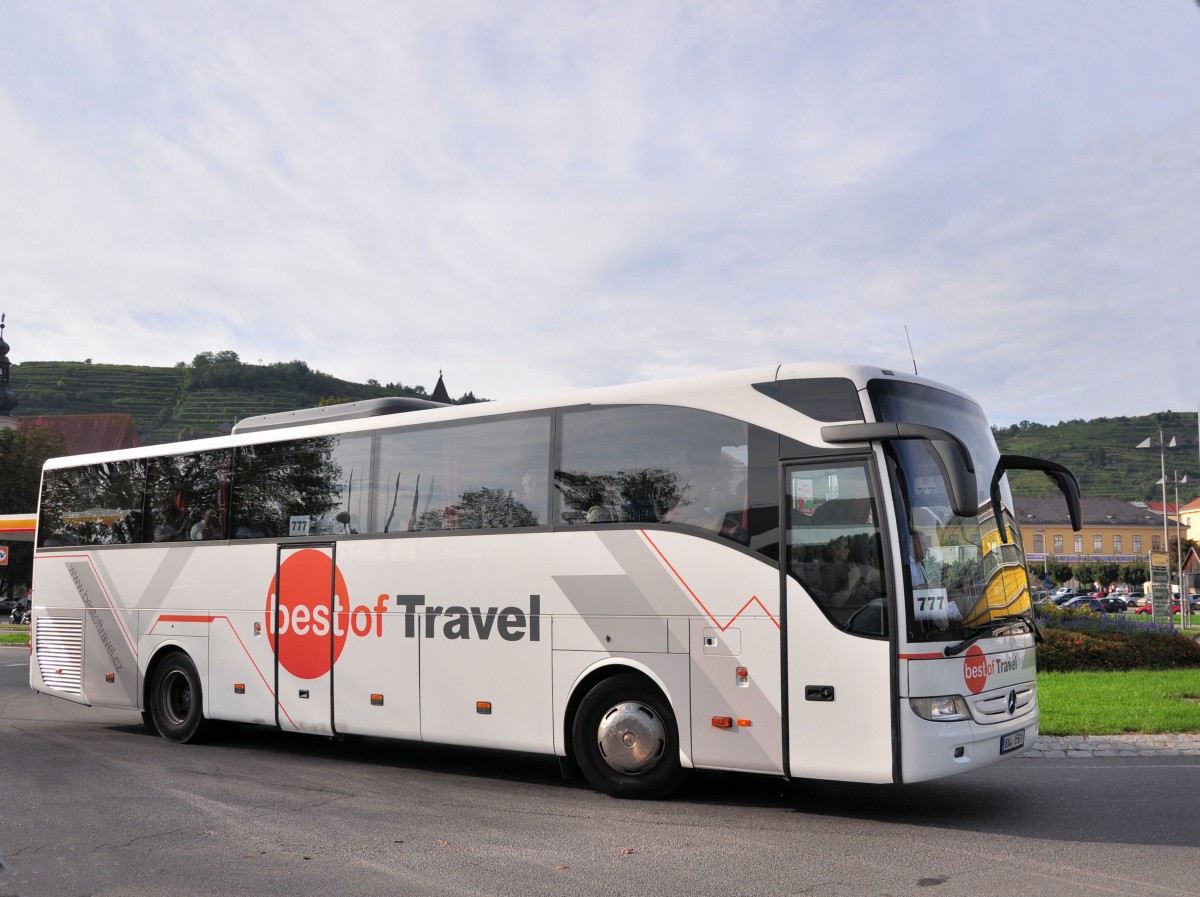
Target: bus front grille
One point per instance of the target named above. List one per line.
(59, 646)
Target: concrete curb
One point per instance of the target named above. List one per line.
(1085, 746)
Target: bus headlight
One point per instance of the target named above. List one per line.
(944, 709)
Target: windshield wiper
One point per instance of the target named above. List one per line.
(993, 626)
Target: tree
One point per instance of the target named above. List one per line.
(1135, 574)
(1060, 573)
(22, 454)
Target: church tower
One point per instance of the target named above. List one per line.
(8, 398)
(440, 393)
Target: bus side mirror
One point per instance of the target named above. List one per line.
(1066, 482)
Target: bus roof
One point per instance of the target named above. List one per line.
(361, 416)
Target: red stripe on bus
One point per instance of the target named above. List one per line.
(183, 618)
(753, 599)
(205, 618)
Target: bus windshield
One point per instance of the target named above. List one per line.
(960, 578)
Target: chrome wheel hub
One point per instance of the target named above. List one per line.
(631, 738)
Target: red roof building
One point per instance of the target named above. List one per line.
(85, 433)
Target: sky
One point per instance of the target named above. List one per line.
(538, 196)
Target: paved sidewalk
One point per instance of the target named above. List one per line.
(1072, 746)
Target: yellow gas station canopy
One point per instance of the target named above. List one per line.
(17, 527)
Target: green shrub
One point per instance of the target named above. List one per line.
(1079, 640)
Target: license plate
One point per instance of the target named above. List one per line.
(1014, 741)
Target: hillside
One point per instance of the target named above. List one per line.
(1103, 454)
(197, 399)
(188, 400)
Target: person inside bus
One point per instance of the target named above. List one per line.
(206, 528)
(916, 561)
(843, 578)
(168, 525)
(706, 499)
(733, 525)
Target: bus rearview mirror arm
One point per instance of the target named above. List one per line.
(1066, 482)
(952, 454)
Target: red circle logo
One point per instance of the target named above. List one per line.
(975, 669)
(311, 631)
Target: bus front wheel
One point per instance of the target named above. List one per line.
(626, 740)
(176, 700)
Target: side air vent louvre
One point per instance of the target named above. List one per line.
(59, 643)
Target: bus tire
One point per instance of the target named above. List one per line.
(625, 739)
(176, 700)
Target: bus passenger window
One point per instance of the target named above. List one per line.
(653, 464)
(834, 547)
(99, 504)
(188, 496)
(303, 487)
(480, 475)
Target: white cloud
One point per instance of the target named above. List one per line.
(571, 194)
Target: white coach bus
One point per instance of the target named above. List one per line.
(809, 570)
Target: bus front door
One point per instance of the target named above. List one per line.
(305, 636)
(839, 658)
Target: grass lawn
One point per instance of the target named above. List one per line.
(1140, 701)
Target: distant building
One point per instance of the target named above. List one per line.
(1114, 531)
(85, 433)
(8, 398)
(82, 433)
(1189, 516)
(440, 393)
(1191, 572)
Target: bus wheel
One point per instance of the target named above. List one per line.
(176, 704)
(625, 739)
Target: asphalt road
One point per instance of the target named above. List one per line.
(94, 804)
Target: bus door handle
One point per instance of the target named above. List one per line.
(818, 692)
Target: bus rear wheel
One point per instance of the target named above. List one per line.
(176, 700)
(626, 740)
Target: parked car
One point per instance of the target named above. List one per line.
(1114, 605)
(1095, 604)
(1068, 596)
(1148, 609)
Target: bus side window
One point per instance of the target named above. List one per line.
(476, 476)
(653, 464)
(834, 545)
(99, 504)
(187, 497)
